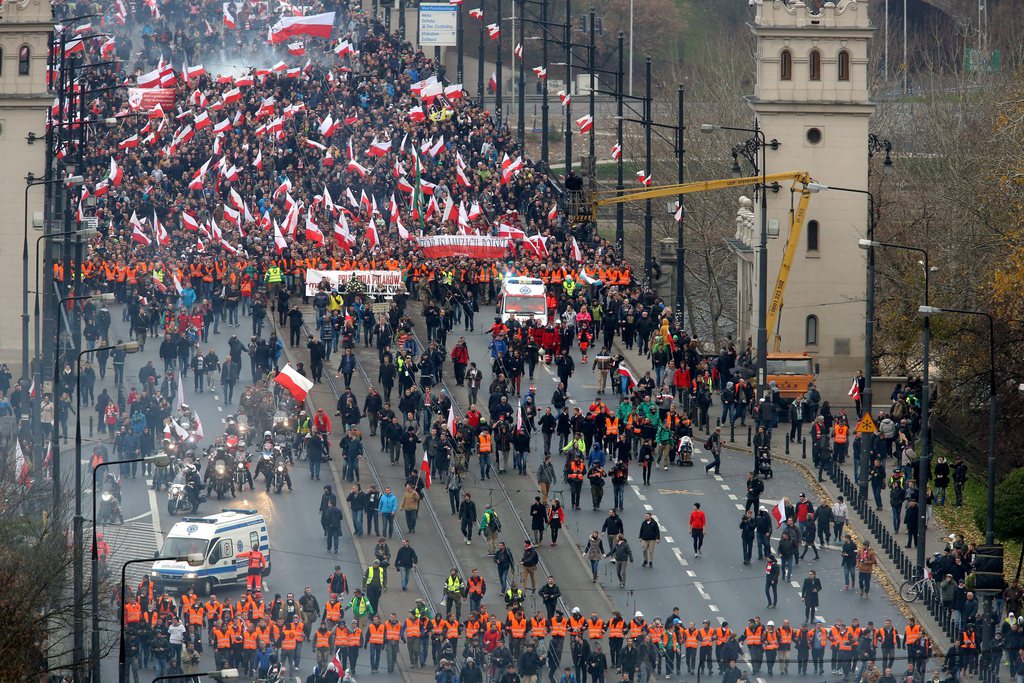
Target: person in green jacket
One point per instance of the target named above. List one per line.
(665, 439)
(360, 607)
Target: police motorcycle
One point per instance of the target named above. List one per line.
(185, 495)
(109, 510)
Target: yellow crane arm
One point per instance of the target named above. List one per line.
(795, 228)
(609, 197)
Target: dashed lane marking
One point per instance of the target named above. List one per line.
(713, 608)
(690, 573)
(700, 589)
(648, 508)
(733, 496)
(669, 539)
(679, 556)
(739, 506)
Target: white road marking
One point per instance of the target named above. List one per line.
(718, 477)
(739, 506)
(725, 487)
(669, 539)
(691, 574)
(706, 460)
(630, 479)
(700, 589)
(795, 584)
(713, 608)
(648, 508)
(636, 490)
(137, 517)
(220, 409)
(733, 496)
(679, 556)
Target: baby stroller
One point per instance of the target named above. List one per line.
(685, 452)
(763, 462)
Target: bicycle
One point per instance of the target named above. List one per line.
(913, 589)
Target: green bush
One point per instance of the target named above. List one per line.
(1009, 523)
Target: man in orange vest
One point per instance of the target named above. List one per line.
(256, 562)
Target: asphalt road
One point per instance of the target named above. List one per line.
(298, 553)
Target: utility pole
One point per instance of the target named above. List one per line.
(521, 123)
(460, 61)
(648, 207)
(401, 29)
(480, 88)
(620, 210)
(497, 71)
(568, 85)
(544, 88)
(680, 245)
(591, 65)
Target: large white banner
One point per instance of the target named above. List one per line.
(385, 283)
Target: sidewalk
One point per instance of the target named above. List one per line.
(897, 563)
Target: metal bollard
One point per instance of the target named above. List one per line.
(803, 446)
(90, 426)
(732, 432)
(787, 443)
(749, 436)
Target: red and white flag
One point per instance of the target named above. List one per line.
(371, 235)
(477, 13)
(541, 71)
(192, 72)
(162, 238)
(425, 469)
(565, 98)
(229, 18)
(616, 151)
(116, 174)
(313, 233)
(316, 25)
(451, 420)
(854, 391)
(279, 242)
(493, 31)
(21, 466)
(297, 48)
(586, 123)
(576, 253)
(630, 378)
(779, 513)
(644, 179)
(517, 51)
(297, 385)
(139, 236)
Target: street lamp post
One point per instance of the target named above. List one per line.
(221, 675)
(521, 100)
(544, 89)
(78, 610)
(497, 70)
(648, 206)
(762, 143)
(922, 462)
(160, 460)
(680, 244)
(620, 209)
(990, 517)
(194, 559)
(568, 86)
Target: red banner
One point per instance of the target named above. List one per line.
(442, 246)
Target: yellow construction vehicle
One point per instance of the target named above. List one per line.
(586, 208)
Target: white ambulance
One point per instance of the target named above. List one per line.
(219, 539)
(524, 299)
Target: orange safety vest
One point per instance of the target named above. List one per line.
(290, 640)
(412, 628)
(559, 627)
(753, 636)
(771, 640)
(392, 631)
(518, 627)
(616, 628)
(841, 433)
(785, 635)
(249, 639)
(969, 640)
(222, 638)
(333, 611)
(476, 585)
(355, 637)
(323, 639)
(707, 637)
(611, 427)
(722, 635)
(576, 469)
(340, 636)
(132, 612)
(635, 629)
(595, 629)
(195, 615)
(691, 641)
(656, 632)
(538, 628)
(485, 443)
(453, 629)
(577, 624)
(376, 634)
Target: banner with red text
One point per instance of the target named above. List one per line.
(385, 283)
(473, 246)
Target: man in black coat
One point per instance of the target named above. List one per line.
(330, 519)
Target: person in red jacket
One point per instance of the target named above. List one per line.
(256, 562)
(321, 422)
(697, 523)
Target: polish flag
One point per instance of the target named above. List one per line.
(313, 233)
(232, 95)
(517, 51)
(679, 212)
(21, 466)
(576, 252)
(231, 215)
(405, 186)
(644, 179)
(539, 244)
(258, 163)
(222, 126)
(198, 98)
(475, 211)
(116, 175)
(139, 236)
(189, 221)
(451, 419)
(298, 48)
(425, 469)
(266, 108)
(454, 92)
(402, 232)
(328, 126)
(202, 121)
(355, 166)
(493, 31)
(586, 123)
(854, 391)
(510, 232)
(461, 178)
(279, 242)
(493, 83)
(630, 378)
(553, 212)
(779, 513)
(148, 80)
(162, 238)
(133, 141)
(108, 47)
(565, 98)
(244, 81)
(316, 25)
(297, 385)
(477, 13)
(437, 148)
(371, 235)
(344, 48)
(616, 151)
(379, 149)
(229, 19)
(194, 72)
(541, 72)
(416, 114)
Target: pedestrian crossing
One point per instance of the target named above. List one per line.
(132, 540)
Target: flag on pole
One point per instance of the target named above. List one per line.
(451, 420)
(854, 391)
(425, 469)
(297, 385)
(21, 465)
(629, 377)
(779, 513)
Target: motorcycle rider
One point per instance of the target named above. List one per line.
(266, 461)
(193, 484)
(278, 461)
(219, 455)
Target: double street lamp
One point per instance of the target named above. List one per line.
(749, 149)
(922, 462)
(221, 675)
(159, 460)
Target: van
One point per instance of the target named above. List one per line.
(219, 539)
(523, 299)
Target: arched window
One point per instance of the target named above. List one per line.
(811, 330)
(844, 65)
(814, 65)
(24, 55)
(786, 65)
(812, 236)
